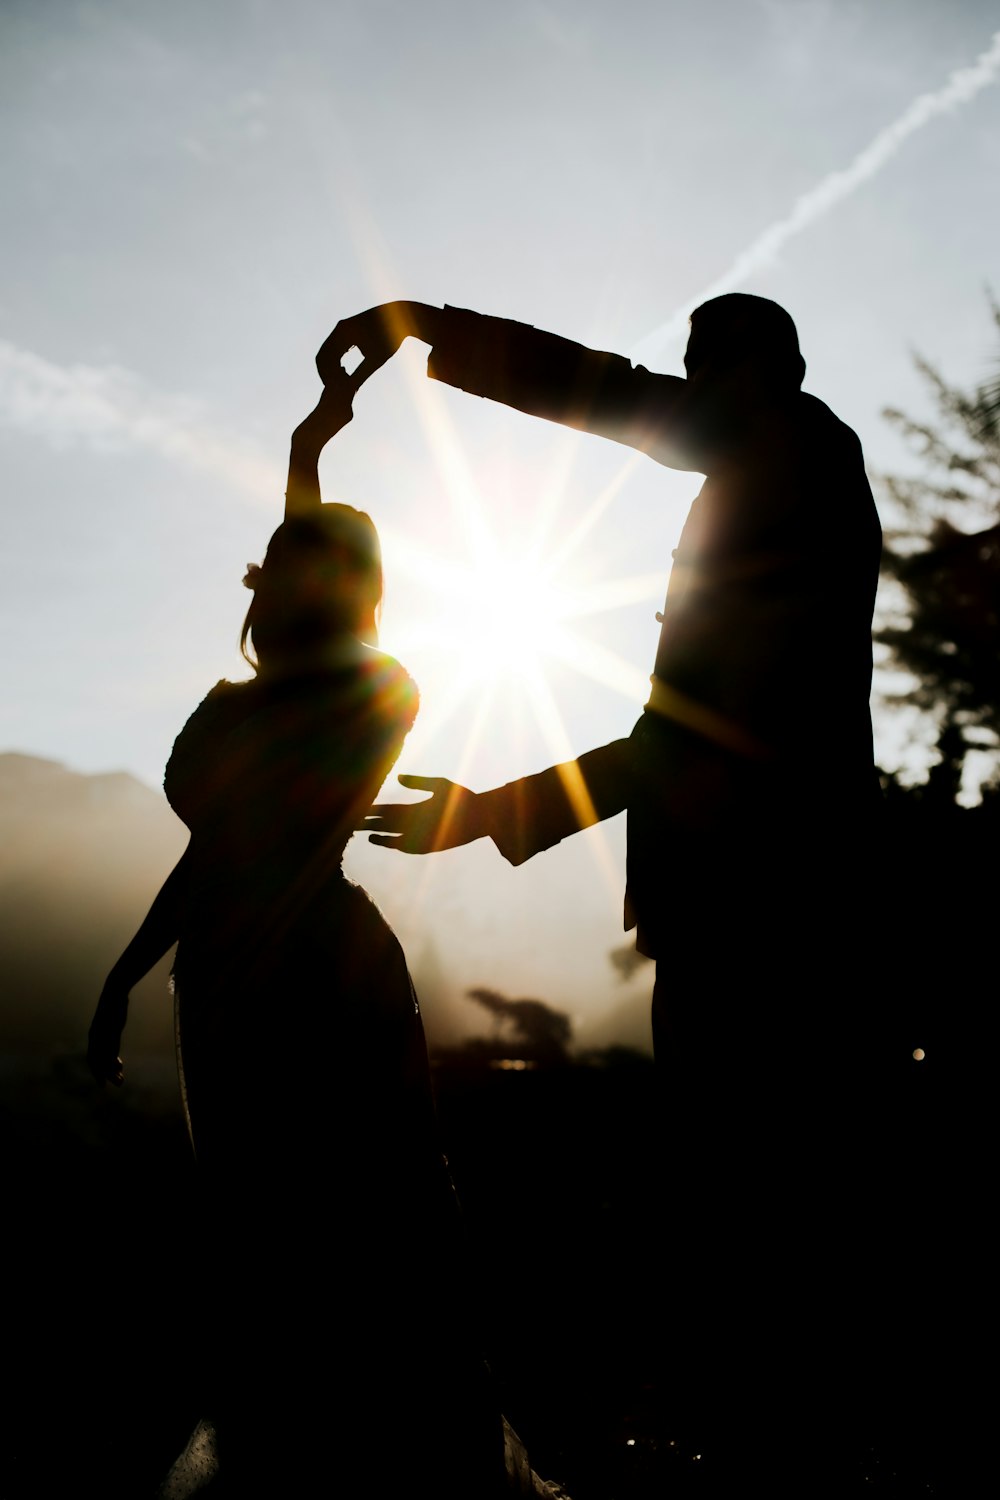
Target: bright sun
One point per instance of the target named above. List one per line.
(501, 623)
(495, 621)
(503, 617)
(503, 620)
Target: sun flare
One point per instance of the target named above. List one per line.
(501, 621)
(502, 627)
(502, 618)
(503, 612)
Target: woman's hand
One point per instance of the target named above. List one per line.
(105, 1035)
(331, 413)
(451, 816)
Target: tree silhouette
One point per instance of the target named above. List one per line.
(539, 1032)
(943, 627)
(627, 959)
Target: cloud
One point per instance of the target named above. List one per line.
(961, 86)
(110, 409)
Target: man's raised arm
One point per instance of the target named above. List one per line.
(526, 368)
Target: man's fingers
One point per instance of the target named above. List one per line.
(390, 817)
(425, 783)
(417, 827)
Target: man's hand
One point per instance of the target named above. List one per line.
(105, 1035)
(451, 816)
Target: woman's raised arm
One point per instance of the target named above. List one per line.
(331, 413)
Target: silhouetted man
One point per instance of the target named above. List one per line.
(751, 765)
(751, 796)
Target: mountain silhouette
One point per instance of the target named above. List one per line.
(81, 857)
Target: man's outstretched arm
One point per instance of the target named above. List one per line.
(522, 818)
(524, 367)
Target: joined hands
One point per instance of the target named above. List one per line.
(377, 334)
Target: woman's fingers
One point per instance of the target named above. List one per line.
(333, 409)
(105, 1036)
(104, 1066)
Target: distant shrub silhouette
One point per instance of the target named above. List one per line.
(944, 553)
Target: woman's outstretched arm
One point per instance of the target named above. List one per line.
(330, 414)
(156, 936)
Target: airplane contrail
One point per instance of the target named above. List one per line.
(961, 86)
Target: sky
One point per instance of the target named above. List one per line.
(196, 193)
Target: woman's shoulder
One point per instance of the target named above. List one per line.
(383, 668)
(387, 686)
(221, 707)
(218, 713)
(224, 693)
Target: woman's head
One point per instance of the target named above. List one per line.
(321, 579)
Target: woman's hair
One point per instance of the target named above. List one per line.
(321, 578)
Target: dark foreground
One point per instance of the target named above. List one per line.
(105, 1305)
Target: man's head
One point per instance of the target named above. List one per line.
(739, 329)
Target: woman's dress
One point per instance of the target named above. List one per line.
(333, 1338)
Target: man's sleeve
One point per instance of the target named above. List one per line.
(547, 376)
(532, 814)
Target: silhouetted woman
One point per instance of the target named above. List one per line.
(331, 1329)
